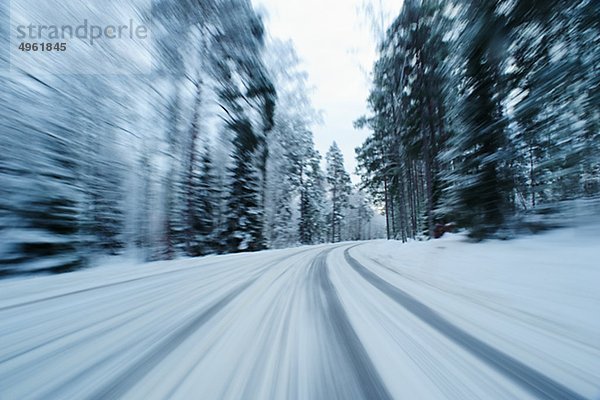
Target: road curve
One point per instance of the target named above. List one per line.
(273, 325)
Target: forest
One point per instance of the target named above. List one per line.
(210, 152)
(483, 114)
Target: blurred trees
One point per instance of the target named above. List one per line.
(482, 112)
(339, 186)
(294, 201)
(211, 151)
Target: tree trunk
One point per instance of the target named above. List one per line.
(532, 176)
(387, 207)
(190, 193)
(430, 139)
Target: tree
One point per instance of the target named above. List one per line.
(358, 218)
(340, 188)
(481, 183)
(41, 198)
(291, 148)
(312, 201)
(400, 162)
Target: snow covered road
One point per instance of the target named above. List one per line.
(369, 321)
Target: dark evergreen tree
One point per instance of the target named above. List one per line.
(209, 193)
(245, 221)
(409, 123)
(312, 201)
(481, 183)
(339, 190)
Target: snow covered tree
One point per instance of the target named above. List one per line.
(481, 110)
(357, 220)
(190, 159)
(400, 162)
(339, 186)
(481, 183)
(209, 193)
(482, 113)
(551, 97)
(41, 199)
(211, 50)
(312, 202)
(245, 221)
(291, 146)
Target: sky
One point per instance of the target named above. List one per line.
(338, 49)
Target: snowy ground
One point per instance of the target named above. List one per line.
(441, 319)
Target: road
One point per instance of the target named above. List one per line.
(308, 323)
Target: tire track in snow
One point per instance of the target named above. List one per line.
(349, 347)
(257, 372)
(134, 373)
(99, 287)
(534, 321)
(171, 274)
(182, 271)
(535, 382)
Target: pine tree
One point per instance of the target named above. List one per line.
(339, 189)
(41, 199)
(312, 201)
(247, 100)
(207, 194)
(291, 146)
(400, 162)
(481, 184)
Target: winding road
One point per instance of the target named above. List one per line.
(316, 323)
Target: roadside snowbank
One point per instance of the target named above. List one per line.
(536, 298)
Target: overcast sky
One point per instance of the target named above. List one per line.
(338, 50)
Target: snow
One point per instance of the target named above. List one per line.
(536, 298)
(305, 324)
